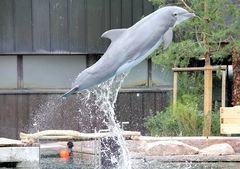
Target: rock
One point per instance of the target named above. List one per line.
(164, 148)
(218, 149)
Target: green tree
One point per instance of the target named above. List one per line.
(213, 33)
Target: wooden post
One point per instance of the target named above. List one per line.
(223, 100)
(175, 76)
(207, 100)
(208, 69)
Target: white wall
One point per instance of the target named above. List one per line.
(58, 71)
(8, 72)
(161, 77)
(138, 76)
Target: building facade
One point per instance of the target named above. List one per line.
(44, 44)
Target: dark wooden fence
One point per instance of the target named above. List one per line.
(64, 26)
(29, 112)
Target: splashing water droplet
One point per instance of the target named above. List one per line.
(95, 111)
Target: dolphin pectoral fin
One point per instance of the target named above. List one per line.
(113, 34)
(167, 38)
(70, 92)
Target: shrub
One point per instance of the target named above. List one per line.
(183, 121)
(186, 120)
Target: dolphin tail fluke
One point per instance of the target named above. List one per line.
(70, 92)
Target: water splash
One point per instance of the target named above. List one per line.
(95, 112)
(100, 101)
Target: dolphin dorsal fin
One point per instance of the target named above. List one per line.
(167, 38)
(113, 34)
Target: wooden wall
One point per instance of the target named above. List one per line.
(64, 26)
(30, 112)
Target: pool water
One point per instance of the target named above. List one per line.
(56, 163)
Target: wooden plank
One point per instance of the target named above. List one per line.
(123, 109)
(23, 113)
(95, 25)
(148, 104)
(77, 26)
(175, 79)
(207, 101)
(136, 122)
(107, 22)
(230, 128)
(59, 26)
(161, 100)
(6, 26)
(8, 127)
(23, 25)
(137, 10)
(148, 108)
(223, 97)
(230, 115)
(41, 27)
(65, 134)
(126, 13)
(70, 115)
(147, 7)
(189, 69)
(230, 120)
(20, 71)
(225, 110)
(116, 14)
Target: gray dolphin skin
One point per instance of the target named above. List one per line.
(131, 46)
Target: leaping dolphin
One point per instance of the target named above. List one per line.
(131, 46)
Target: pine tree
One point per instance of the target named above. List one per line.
(215, 33)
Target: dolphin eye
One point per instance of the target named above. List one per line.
(175, 14)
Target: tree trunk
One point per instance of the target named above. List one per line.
(236, 77)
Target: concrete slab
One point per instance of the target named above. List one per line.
(12, 151)
(191, 158)
(5, 142)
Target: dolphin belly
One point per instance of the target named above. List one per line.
(132, 63)
(92, 76)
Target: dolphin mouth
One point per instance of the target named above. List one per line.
(185, 17)
(189, 15)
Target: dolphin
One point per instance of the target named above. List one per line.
(131, 46)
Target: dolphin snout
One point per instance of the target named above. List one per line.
(190, 15)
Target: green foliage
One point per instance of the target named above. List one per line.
(187, 119)
(223, 25)
(191, 84)
(183, 123)
(178, 54)
(215, 128)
